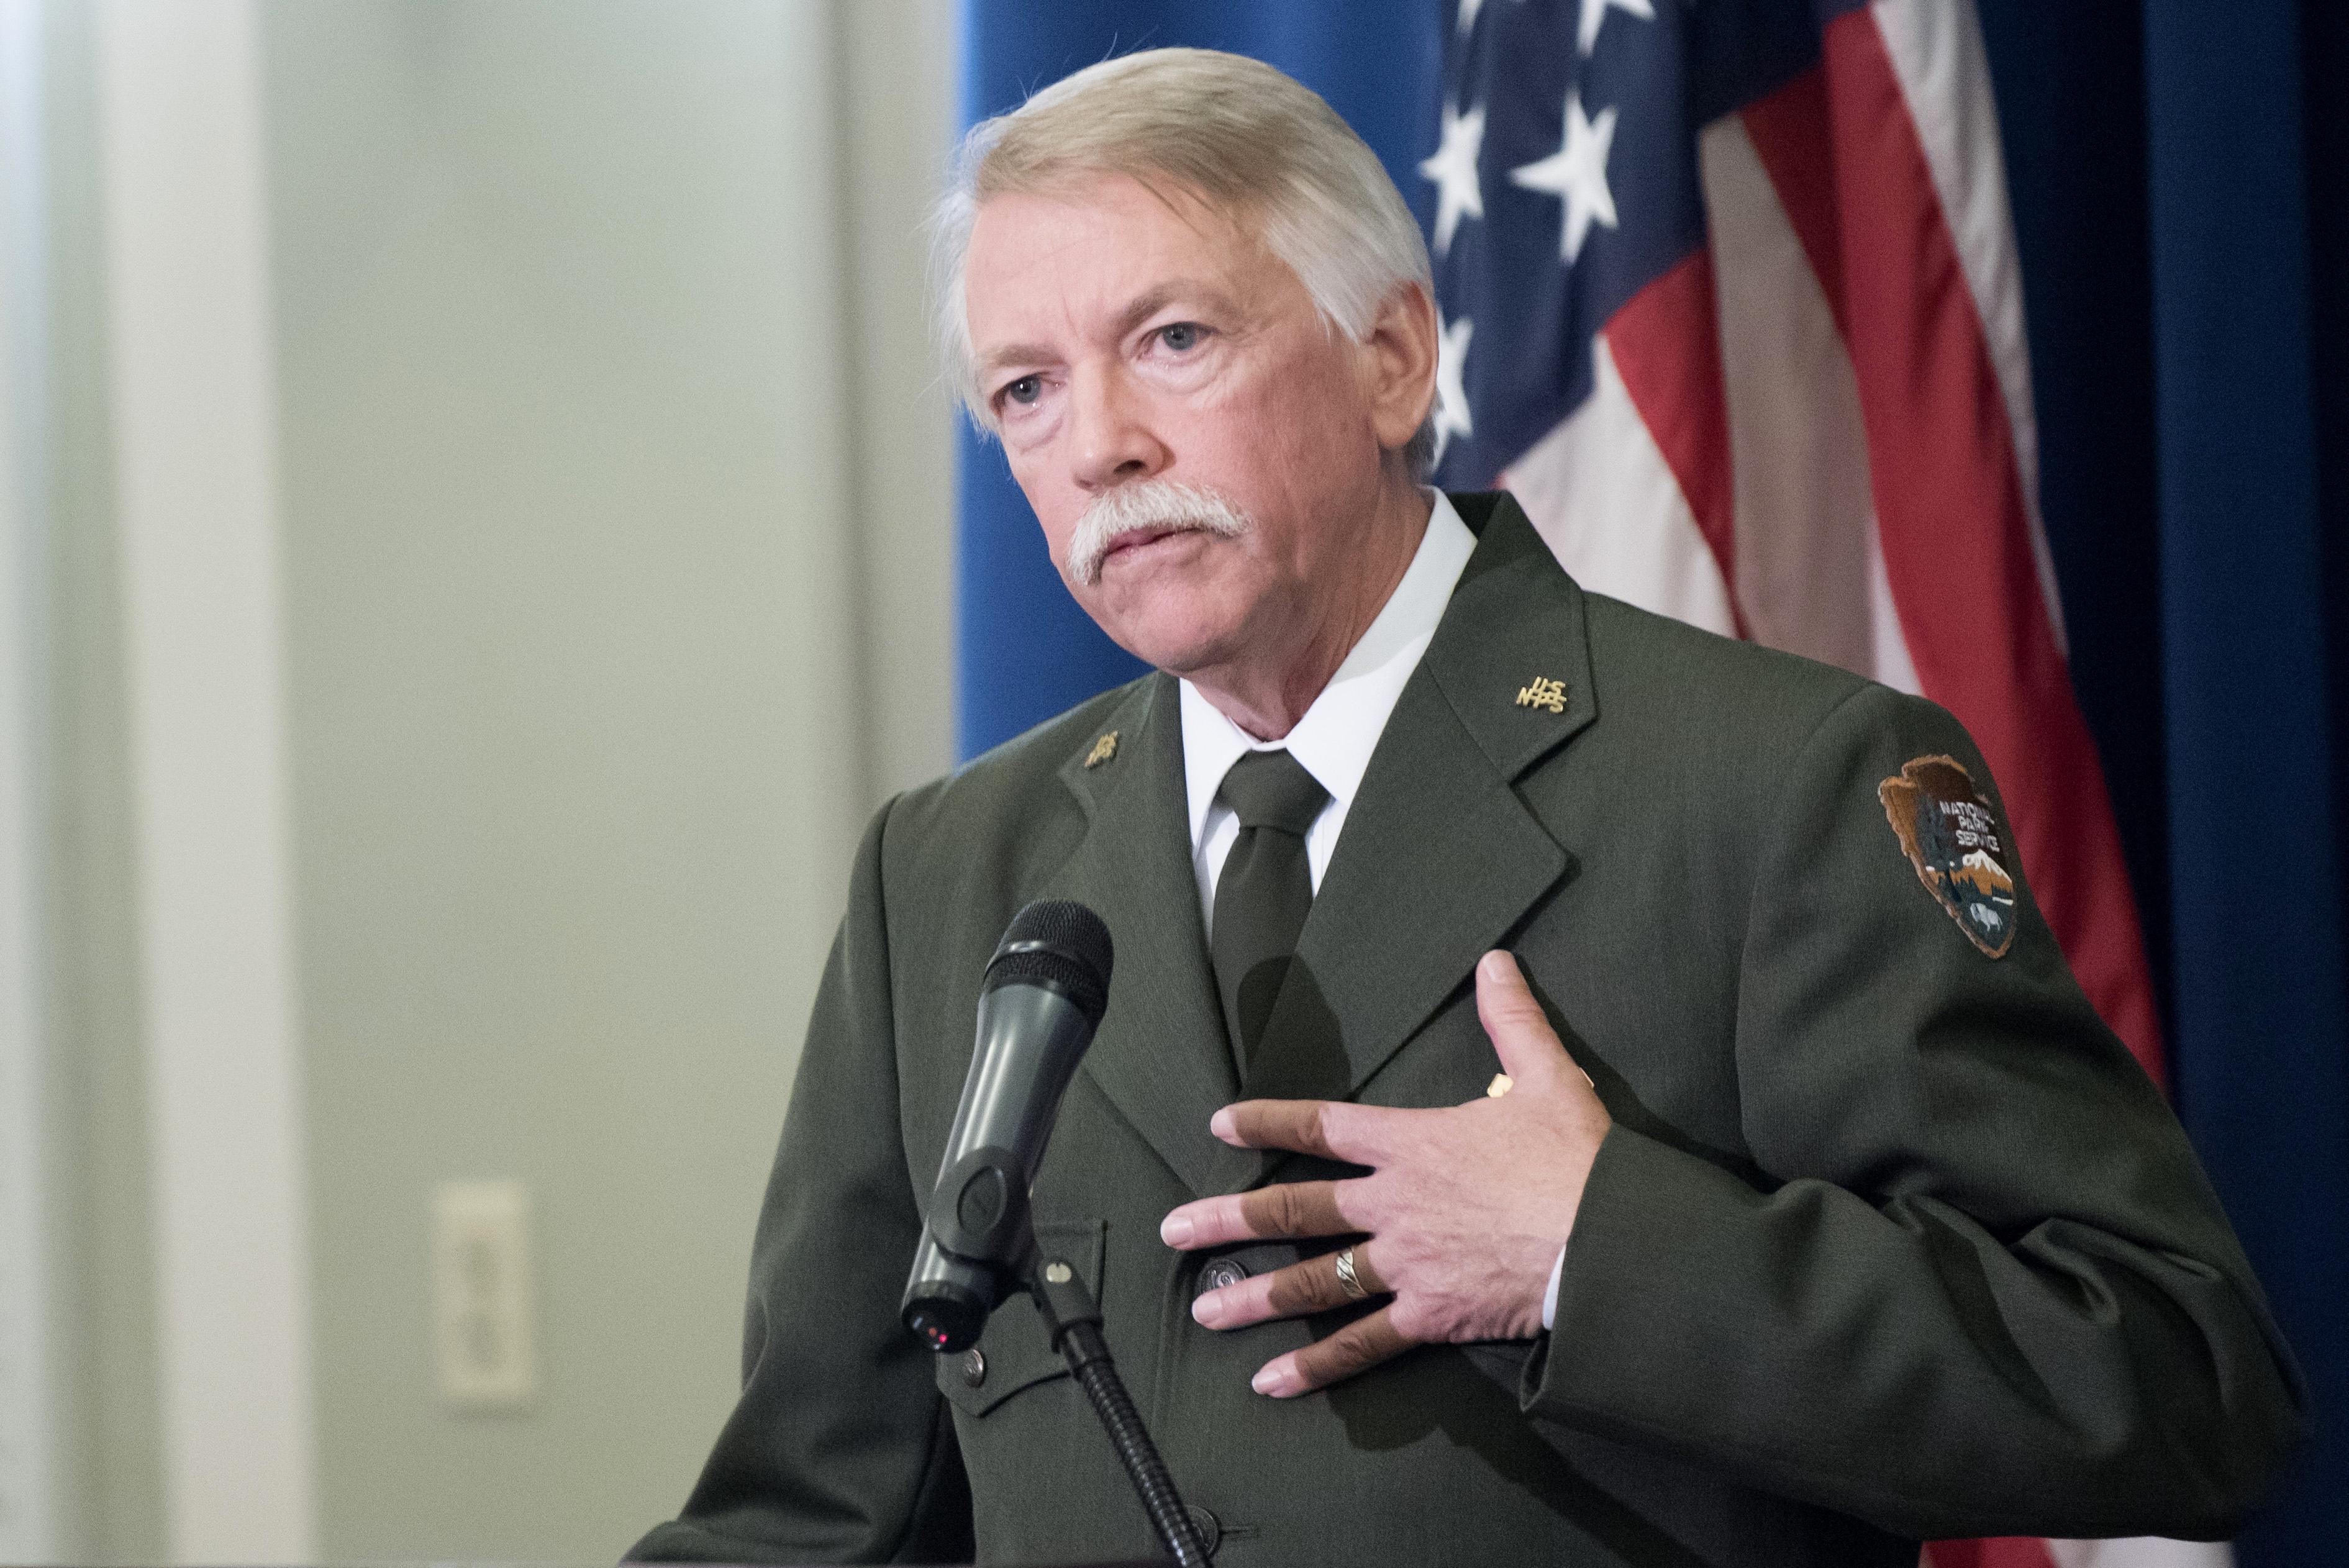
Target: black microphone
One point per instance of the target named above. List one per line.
(1041, 997)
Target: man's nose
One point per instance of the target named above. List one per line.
(1115, 443)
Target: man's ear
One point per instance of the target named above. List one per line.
(1402, 365)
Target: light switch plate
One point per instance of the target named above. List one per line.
(484, 1304)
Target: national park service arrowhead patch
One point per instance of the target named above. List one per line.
(1958, 845)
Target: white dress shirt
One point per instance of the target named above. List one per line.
(1336, 737)
(1338, 733)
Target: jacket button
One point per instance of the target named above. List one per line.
(974, 1366)
(1210, 1528)
(1221, 1275)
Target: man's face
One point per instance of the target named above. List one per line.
(1121, 339)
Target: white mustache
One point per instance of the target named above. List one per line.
(1145, 505)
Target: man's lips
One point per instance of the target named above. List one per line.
(1143, 538)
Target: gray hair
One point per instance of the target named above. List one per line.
(1231, 130)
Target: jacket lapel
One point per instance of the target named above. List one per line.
(1439, 858)
(1161, 1055)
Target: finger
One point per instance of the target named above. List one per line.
(1529, 1048)
(1332, 1128)
(1297, 1291)
(1361, 1344)
(1283, 1211)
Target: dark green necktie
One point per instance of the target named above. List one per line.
(1265, 891)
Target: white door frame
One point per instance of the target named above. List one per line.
(194, 403)
(29, 1525)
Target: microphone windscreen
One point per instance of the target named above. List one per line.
(1063, 944)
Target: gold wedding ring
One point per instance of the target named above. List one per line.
(1348, 1280)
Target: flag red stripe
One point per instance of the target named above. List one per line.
(1998, 1552)
(1949, 500)
(1667, 344)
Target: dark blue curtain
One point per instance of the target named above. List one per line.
(2181, 179)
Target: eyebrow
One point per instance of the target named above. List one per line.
(1156, 300)
(1141, 309)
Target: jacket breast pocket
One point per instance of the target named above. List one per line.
(1014, 1353)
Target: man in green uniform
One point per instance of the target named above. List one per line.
(1575, 1089)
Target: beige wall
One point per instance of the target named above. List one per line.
(613, 486)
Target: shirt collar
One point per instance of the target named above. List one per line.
(1339, 732)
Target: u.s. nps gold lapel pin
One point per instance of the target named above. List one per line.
(1103, 750)
(1545, 692)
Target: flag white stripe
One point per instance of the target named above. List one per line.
(2141, 1551)
(1809, 565)
(1600, 491)
(1893, 664)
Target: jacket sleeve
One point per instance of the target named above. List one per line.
(1978, 1285)
(841, 1448)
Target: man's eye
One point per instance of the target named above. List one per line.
(1024, 391)
(1182, 337)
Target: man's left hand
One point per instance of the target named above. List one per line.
(1465, 1208)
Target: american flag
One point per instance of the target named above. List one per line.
(1729, 297)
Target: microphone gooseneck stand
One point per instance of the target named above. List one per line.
(979, 1218)
(1041, 998)
(1073, 1319)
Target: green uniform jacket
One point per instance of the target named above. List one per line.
(1890, 1239)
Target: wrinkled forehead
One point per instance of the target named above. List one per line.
(1220, 205)
(1147, 205)
(1100, 237)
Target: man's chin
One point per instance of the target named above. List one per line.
(1176, 603)
(1176, 639)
